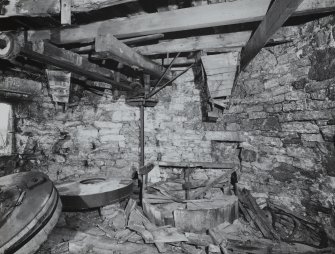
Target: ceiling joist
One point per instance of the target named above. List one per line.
(227, 13)
(216, 42)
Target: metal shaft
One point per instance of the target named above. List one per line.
(141, 151)
(166, 70)
(169, 82)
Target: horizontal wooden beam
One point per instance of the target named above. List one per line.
(220, 14)
(20, 86)
(108, 46)
(180, 61)
(213, 43)
(278, 13)
(34, 8)
(221, 42)
(49, 54)
(128, 41)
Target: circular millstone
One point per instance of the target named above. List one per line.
(93, 192)
(32, 210)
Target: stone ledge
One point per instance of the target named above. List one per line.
(231, 136)
(210, 165)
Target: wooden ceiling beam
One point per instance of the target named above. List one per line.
(129, 41)
(49, 54)
(220, 14)
(220, 42)
(34, 8)
(213, 43)
(278, 13)
(107, 46)
(170, 21)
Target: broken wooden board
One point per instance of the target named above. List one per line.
(198, 239)
(167, 235)
(257, 215)
(217, 233)
(201, 219)
(264, 246)
(85, 243)
(145, 234)
(212, 203)
(224, 177)
(220, 72)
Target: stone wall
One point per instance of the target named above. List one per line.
(95, 135)
(285, 105)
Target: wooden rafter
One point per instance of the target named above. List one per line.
(278, 13)
(34, 8)
(108, 46)
(227, 13)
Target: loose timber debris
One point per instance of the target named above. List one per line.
(302, 229)
(252, 211)
(225, 176)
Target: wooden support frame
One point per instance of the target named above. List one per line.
(65, 12)
(108, 46)
(47, 53)
(278, 13)
(221, 14)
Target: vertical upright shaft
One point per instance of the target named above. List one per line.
(141, 151)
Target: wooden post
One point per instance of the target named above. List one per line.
(65, 10)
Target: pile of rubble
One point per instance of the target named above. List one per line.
(127, 228)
